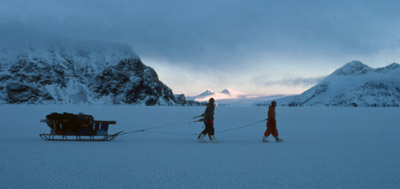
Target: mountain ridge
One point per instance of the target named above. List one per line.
(355, 84)
(64, 72)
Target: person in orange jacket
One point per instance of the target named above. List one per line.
(271, 124)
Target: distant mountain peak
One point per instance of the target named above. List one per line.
(355, 63)
(393, 66)
(226, 91)
(232, 92)
(207, 92)
(354, 67)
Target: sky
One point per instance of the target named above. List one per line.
(260, 47)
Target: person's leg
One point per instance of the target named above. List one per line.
(269, 129)
(275, 133)
(206, 129)
(211, 131)
(212, 136)
(267, 132)
(203, 133)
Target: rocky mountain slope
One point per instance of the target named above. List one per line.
(49, 72)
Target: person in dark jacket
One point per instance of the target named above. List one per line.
(208, 119)
(271, 124)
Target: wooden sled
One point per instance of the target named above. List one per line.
(64, 130)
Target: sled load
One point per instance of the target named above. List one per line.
(77, 127)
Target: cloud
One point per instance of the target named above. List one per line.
(217, 32)
(289, 82)
(223, 38)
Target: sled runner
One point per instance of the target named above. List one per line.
(77, 127)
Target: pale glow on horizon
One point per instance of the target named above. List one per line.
(184, 80)
(284, 76)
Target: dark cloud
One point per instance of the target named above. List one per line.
(221, 37)
(216, 31)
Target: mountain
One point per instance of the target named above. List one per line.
(227, 93)
(206, 93)
(230, 97)
(71, 71)
(355, 84)
(233, 93)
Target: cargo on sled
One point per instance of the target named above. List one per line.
(77, 127)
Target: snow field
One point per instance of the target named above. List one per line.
(323, 148)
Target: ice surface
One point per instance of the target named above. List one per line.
(323, 148)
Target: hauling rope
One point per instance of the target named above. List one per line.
(208, 118)
(82, 127)
(236, 128)
(167, 125)
(220, 131)
(150, 130)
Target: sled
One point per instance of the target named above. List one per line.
(82, 129)
(54, 137)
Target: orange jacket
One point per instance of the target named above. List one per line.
(271, 114)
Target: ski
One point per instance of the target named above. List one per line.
(53, 137)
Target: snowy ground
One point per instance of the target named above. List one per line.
(323, 148)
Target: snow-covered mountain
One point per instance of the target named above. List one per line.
(227, 93)
(205, 94)
(230, 97)
(355, 84)
(70, 71)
